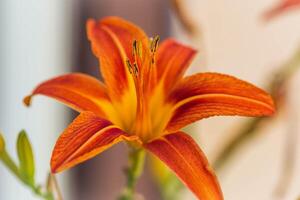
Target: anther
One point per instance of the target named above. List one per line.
(156, 40)
(154, 44)
(152, 60)
(150, 42)
(137, 48)
(135, 69)
(134, 48)
(129, 66)
(140, 49)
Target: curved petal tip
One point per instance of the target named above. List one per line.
(27, 100)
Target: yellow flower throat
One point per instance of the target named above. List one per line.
(143, 72)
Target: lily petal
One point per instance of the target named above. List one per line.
(87, 136)
(210, 94)
(173, 59)
(182, 155)
(79, 91)
(112, 42)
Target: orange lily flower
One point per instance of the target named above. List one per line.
(145, 101)
(280, 8)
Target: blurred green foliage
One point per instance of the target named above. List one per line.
(25, 171)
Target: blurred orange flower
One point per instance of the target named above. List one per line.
(145, 101)
(280, 8)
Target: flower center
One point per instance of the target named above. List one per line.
(143, 71)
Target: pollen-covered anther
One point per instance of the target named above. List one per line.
(135, 69)
(137, 49)
(129, 66)
(132, 68)
(140, 49)
(153, 47)
(134, 48)
(154, 44)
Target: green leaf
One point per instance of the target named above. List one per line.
(26, 159)
(2, 143)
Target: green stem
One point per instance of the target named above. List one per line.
(133, 172)
(44, 195)
(13, 168)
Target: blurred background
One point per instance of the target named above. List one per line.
(254, 159)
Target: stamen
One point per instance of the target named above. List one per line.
(137, 48)
(154, 44)
(156, 40)
(135, 69)
(129, 66)
(150, 43)
(152, 60)
(134, 48)
(140, 49)
(153, 47)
